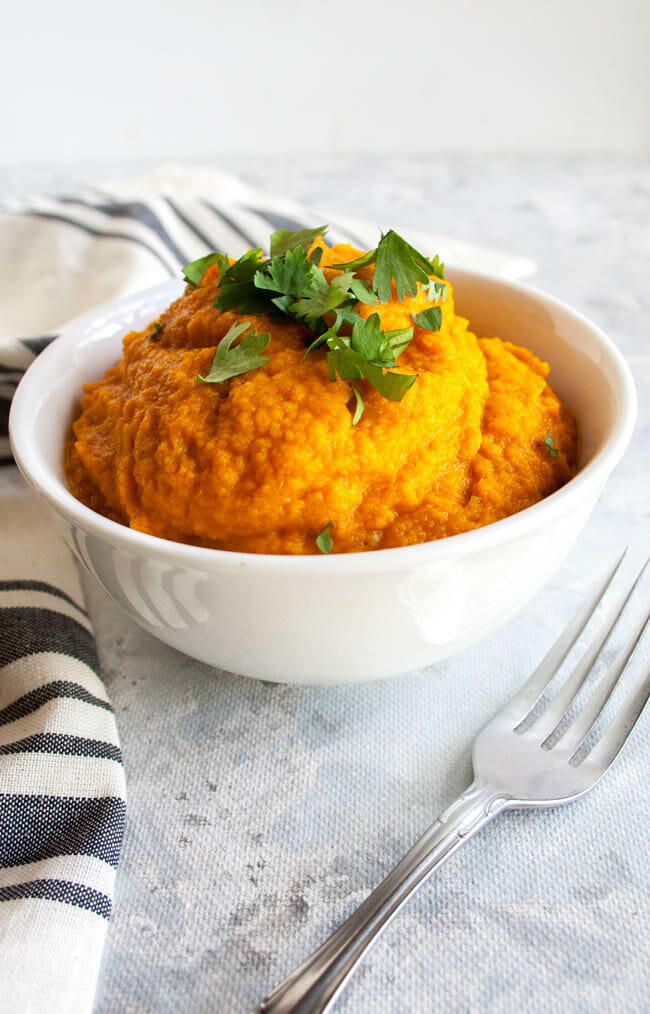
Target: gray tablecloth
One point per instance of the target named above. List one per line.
(260, 815)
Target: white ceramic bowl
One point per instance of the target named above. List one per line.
(339, 618)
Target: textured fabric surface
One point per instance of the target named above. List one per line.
(260, 816)
(62, 788)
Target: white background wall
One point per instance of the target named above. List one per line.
(140, 79)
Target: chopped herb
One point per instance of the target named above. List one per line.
(436, 290)
(231, 361)
(550, 444)
(283, 240)
(397, 261)
(291, 275)
(358, 411)
(194, 272)
(430, 319)
(154, 336)
(360, 262)
(366, 353)
(322, 297)
(437, 267)
(290, 284)
(324, 538)
(363, 292)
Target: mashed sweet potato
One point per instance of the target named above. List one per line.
(262, 462)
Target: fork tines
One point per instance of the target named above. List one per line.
(546, 726)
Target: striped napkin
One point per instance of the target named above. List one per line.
(62, 791)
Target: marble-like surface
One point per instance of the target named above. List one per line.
(261, 815)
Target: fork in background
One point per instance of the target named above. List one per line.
(532, 753)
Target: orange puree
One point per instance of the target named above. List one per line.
(262, 462)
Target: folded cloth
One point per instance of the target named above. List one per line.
(62, 786)
(61, 776)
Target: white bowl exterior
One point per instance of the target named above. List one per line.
(341, 618)
(319, 628)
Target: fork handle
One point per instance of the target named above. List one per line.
(314, 984)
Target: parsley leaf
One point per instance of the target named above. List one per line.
(358, 411)
(430, 319)
(243, 269)
(436, 290)
(322, 296)
(365, 355)
(237, 289)
(363, 292)
(243, 297)
(290, 275)
(324, 538)
(550, 444)
(398, 261)
(231, 362)
(379, 347)
(284, 240)
(360, 262)
(390, 385)
(195, 270)
(437, 267)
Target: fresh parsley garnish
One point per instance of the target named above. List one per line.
(194, 272)
(430, 319)
(359, 406)
(397, 261)
(290, 284)
(154, 336)
(231, 361)
(366, 353)
(550, 444)
(284, 240)
(324, 538)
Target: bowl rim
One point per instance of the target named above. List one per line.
(578, 489)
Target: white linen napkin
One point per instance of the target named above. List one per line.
(61, 778)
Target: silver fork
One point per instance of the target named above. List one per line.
(524, 757)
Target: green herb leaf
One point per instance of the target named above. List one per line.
(291, 274)
(361, 262)
(244, 269)
(322, 296)
(430, 319)
(316, 255)
(437, 267)
(195, 270)
(349, 358)
(399, 262)
(154, 336)
(390, 385)
(324, 538)
(363, 292)
(243, 297)
(358, 412)
(237, 290)
(344, 313)
(398, 340)
(436, 290)
(379, 347)
(232, 361)
(368, 337)
(284, 240)
(550, 444)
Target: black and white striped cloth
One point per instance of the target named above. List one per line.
(62, 789)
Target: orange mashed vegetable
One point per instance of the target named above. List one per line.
(262, 462)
